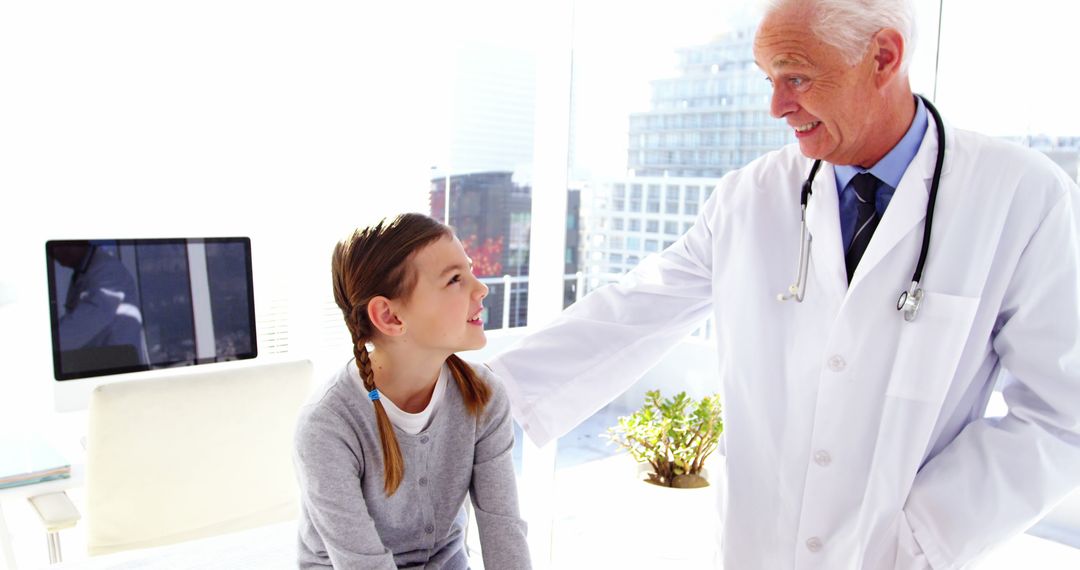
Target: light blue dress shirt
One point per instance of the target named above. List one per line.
(889, 170)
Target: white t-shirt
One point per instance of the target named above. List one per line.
(415, 423)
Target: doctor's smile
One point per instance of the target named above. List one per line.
(804, 130)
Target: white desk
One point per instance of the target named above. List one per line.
(23, 492)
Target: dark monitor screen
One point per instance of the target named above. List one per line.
(127, 305)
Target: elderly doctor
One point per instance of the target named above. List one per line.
(855, 438)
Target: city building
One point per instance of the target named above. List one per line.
(631, 218)
(492, 215)
(711, 118)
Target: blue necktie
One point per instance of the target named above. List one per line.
(866, 219)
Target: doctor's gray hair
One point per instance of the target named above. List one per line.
(848, 25)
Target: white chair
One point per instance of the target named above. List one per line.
(190, 456)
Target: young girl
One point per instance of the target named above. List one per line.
(406, 429)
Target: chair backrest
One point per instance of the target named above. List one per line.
(173, 459)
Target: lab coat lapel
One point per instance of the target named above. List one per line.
(823, 221)
(906, 209)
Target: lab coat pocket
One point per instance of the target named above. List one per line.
(898, 549)
(930, 347)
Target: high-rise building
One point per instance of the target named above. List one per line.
(711, 118)
(486, 161)
(492, 215)
(629, 219)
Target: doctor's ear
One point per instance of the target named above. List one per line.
(888, 47)
(382, 316)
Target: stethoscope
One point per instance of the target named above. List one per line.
(910, 300)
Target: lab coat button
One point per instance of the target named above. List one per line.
(424, 439)
(814, 544)
(836, 363)
(822, 458)
(423, 481)
(430, 528)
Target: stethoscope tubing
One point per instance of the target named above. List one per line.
(909, 300)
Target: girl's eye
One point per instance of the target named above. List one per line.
(454, 279)
(769, 79)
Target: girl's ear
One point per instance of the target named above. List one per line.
(383, 318)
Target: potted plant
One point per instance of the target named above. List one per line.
(670, 439)
(674, 436)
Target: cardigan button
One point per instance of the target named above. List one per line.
(430, 528)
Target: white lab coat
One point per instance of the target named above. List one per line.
(855, 439)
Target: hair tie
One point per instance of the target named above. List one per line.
(369, 346)
(374, 394)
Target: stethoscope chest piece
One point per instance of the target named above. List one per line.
(910, 301)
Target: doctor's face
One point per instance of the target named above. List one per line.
(827, 102)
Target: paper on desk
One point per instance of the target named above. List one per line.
(27, 458)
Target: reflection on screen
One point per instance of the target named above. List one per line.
(128, 305)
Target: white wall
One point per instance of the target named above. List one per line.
(290, 122)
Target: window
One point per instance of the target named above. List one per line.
(653, 204)
(692, 197)
(617, 223)
(671, 228)
(635, 198)
(633, 244)
(635, 225)
(652, 226)
(671, 200)
(692, 194)
(652, 245)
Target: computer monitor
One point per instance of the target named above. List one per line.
(129, 305)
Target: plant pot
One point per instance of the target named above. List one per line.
(675, 525)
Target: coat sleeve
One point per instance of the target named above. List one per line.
(494, 490)
(328, 467)
(597, 348)
(1000, 475)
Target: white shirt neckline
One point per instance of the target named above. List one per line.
(410, 423)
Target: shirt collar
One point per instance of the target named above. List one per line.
(890, 169)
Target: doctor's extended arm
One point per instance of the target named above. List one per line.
(597, 348)
(1000, 475)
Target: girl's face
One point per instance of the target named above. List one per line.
(443, 311)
